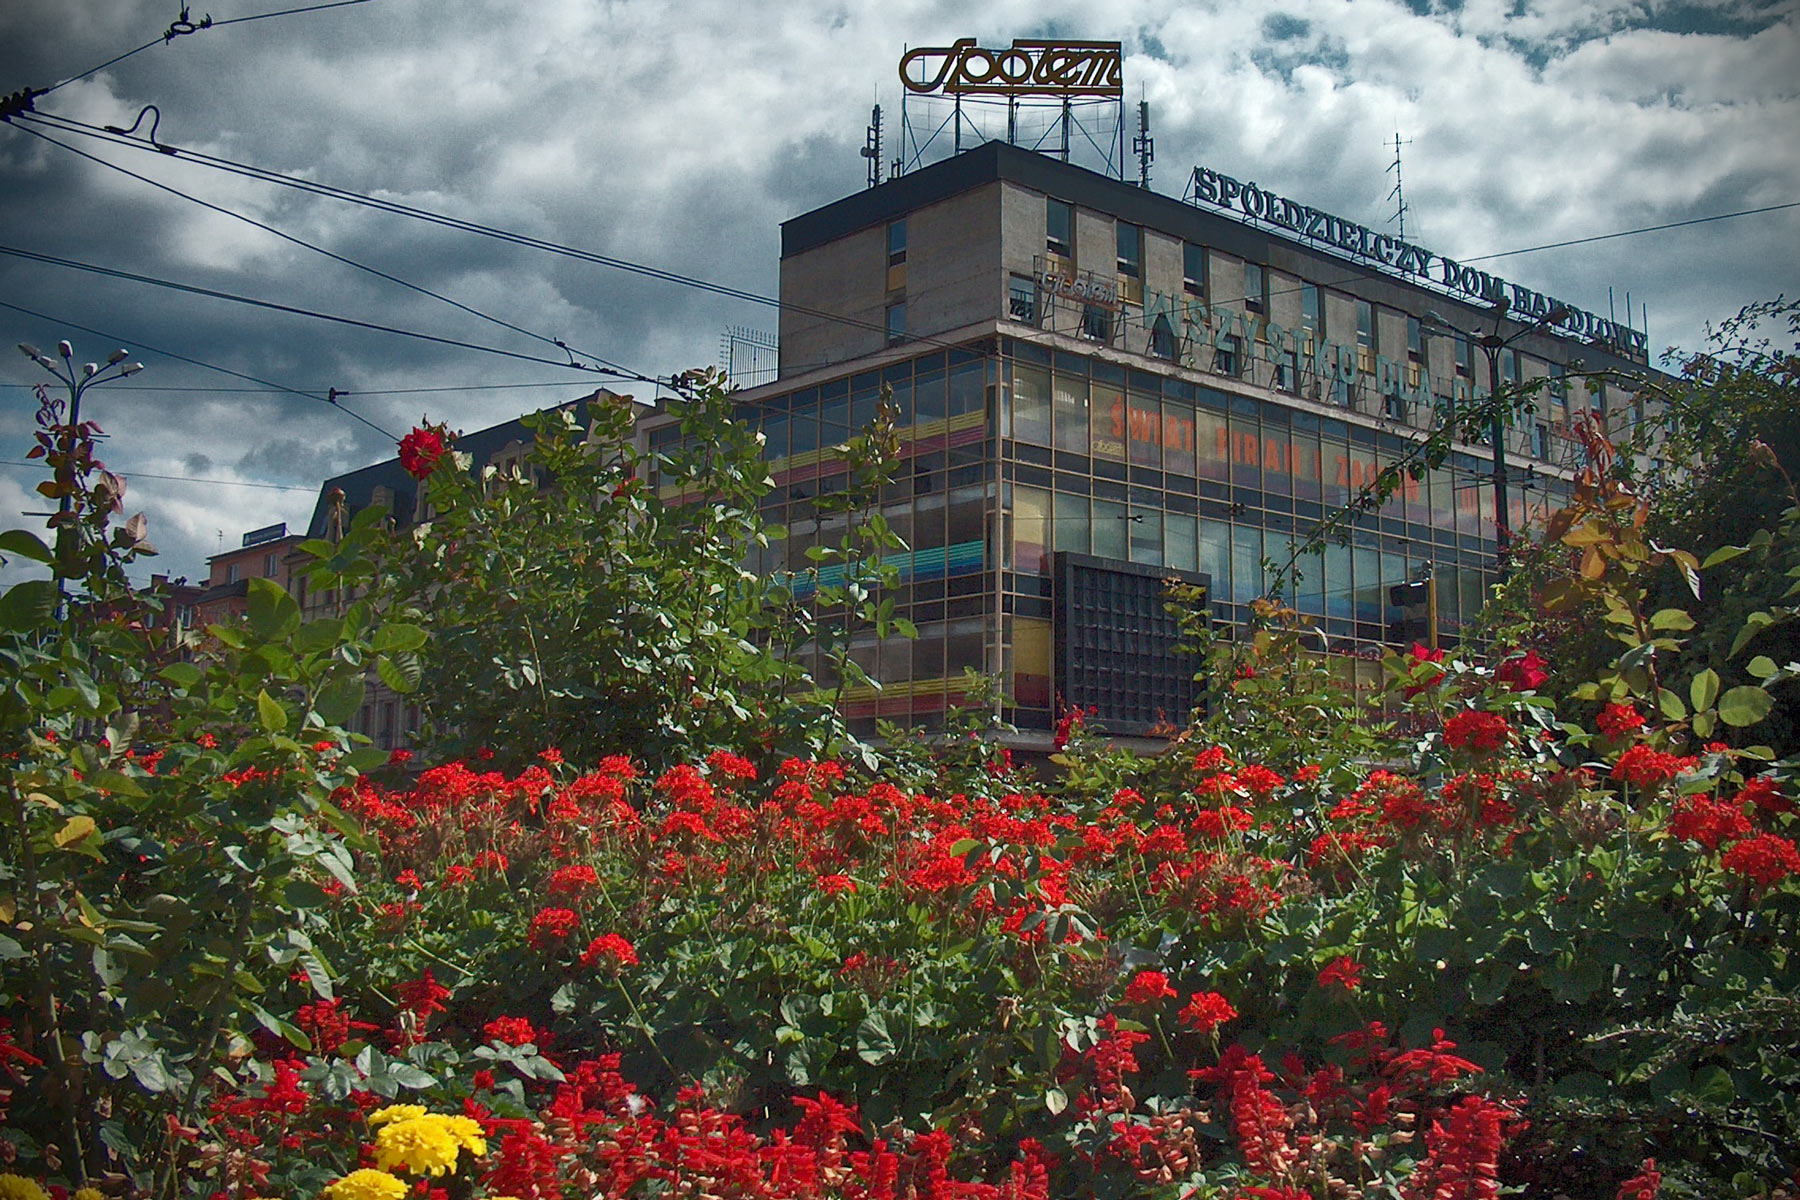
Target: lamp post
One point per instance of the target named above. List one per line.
(1492, 344)
(90, 375)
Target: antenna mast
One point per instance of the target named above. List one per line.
(1143, 145)
(872, 146)
(1399, 193)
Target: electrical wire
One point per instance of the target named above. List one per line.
(193, 27)
(69, 125)
(1601, 237)
(466, 387)
(317, 249)
(267, 384)
(130, 474)
(197, 290)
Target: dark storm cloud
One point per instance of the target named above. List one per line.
(682, 136)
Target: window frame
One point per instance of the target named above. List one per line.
(1064, 247)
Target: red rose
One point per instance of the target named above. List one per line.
(421, 449)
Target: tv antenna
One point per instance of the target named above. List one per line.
(1143, 145)
(872, 147)
(1398, 195)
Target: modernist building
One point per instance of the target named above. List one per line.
(1098, 385)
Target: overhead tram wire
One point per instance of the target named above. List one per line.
(195, 362)
(68, 125)
(349, 262)
(460, 387)
(130, 474)
(174, 31)
(195, 289)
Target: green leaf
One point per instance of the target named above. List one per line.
(1055, 1099)
(1723, 554)
(118, 784)
(182, 674)
(1704, 723)
(1761, 667)
(22, 543)
(874, 1044)
(396, 637)
(339, 700)
(28, 605)
(1704, 689)
(274, 718)
(273, 613)
(1671, 705)
(400, 671)
(1671, 618)
(1745, 705)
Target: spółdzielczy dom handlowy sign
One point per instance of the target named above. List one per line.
(1027, 68)
(1404, 258)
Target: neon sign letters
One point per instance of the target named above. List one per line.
(1027, 68)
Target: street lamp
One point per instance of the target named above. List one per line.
(77, 382)
(1491, 345)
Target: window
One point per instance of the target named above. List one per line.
(1540, 440)
(1131, 250)
(896, 323)
(231, 573)
(1415, 346)
(1462, 357)
(1225, 358)
(1193, 268)
(1312, 310)
(1021, 300)
(269, 565)
(896, 233)
(1096, 323)
(1162, 338)
(1287, 376)
(1394, 406)
(1059, 228)
(1365, 323)
(1256, 288)
(1509, 366)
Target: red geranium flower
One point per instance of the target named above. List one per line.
(551, 926)
(1148, 987)
(421, 449)
(611, 949)
(1478, 732)
(1206, 1011)
(1341, 972)
(1766, 858)
(1616, 720)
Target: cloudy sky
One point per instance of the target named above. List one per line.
(681, 135)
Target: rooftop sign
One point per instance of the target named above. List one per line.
(1027, 68)
(268, 533)
(1405, 259)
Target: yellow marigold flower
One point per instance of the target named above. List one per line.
(365, 1185)
(426, 1144)
(397, 1112)
(17, 1187)
(88, 1193)
(467, 1132)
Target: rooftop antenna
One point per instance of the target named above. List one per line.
(872, 147)
(1398, 195)
(1143, 145)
